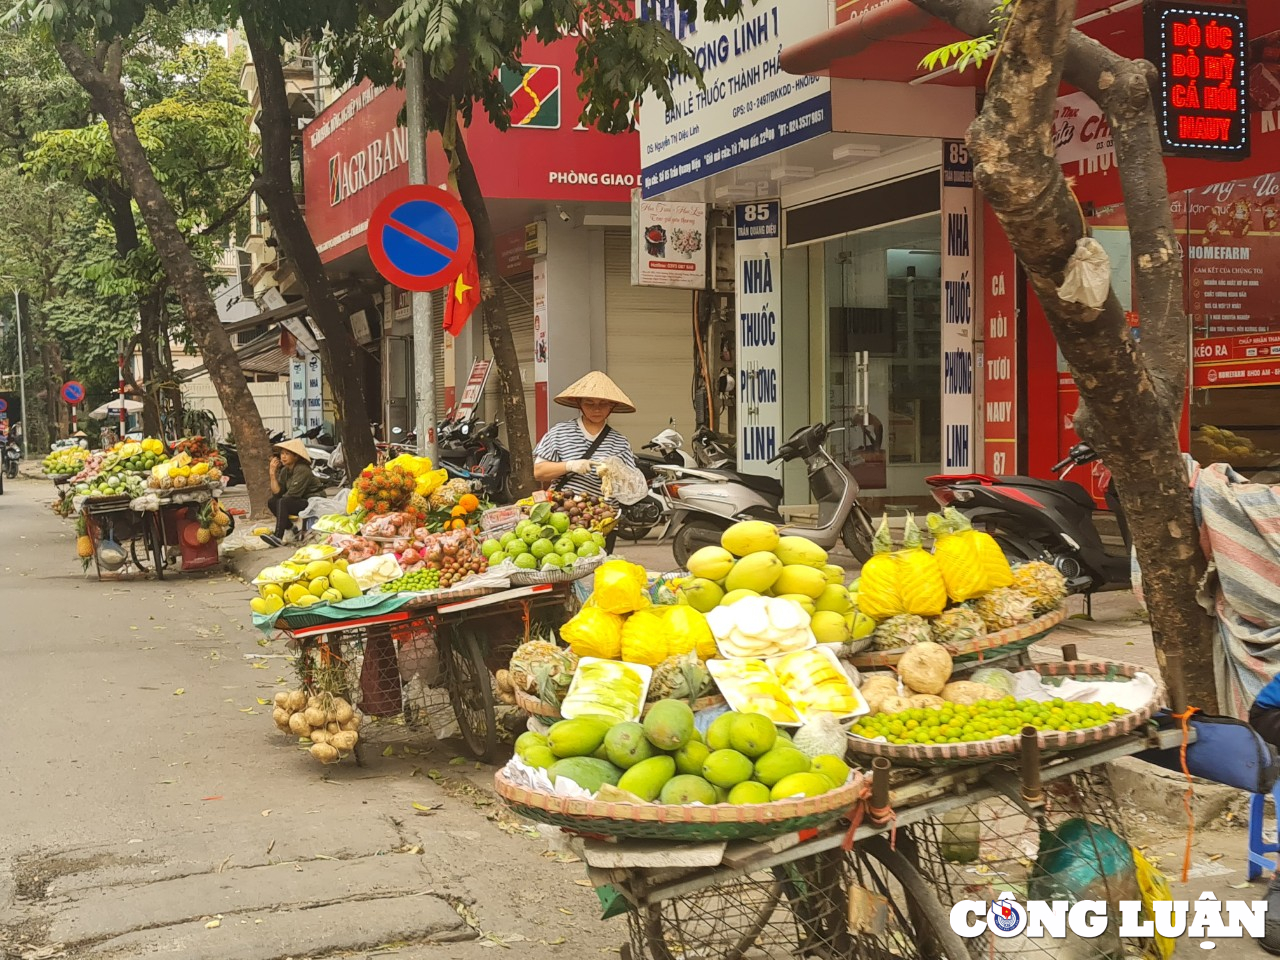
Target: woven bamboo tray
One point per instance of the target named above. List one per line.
(583, 568)
(926, 755)
(1023, 635)
(535, 707)
(656, 821)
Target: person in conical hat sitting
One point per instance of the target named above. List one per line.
(292, 485)
(563, 457)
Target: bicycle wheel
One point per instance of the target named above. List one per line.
(471, 691)
(917, 926)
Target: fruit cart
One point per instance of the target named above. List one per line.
(390, 663)
(878, 875)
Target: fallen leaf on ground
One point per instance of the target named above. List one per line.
(263, 701)
(249, 710)
(213, 924)
(458, 762)
(266, 813)
(179, 692)
(427, 808)
(259, 665)
(584, 883)
(218, 797)
(389, 752)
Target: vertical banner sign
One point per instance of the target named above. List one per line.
(540, 365)
(315, 392)
(298, 395)
(958, 214)
(999, 366)
(758, 253)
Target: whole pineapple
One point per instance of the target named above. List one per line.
(539, 663)
(901, 631)
(957, 625)
(1004, 607)
(1042, 583)
(84, 546)
(679, 678)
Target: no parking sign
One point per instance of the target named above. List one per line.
(420, 238)
(72, 392)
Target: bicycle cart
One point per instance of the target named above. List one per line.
(392, 665)
(117, 532)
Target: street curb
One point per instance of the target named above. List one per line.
(247, 564)
(1159, 793)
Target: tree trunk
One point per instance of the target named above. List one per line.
(341, 354)
(173, 388)
(1125, 414)
(494, 311)
(149, 307)
(183, 270)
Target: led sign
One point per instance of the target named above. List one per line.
(1199, 51)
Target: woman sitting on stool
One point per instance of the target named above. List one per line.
(292, 485)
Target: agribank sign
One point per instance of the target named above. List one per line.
(748, 108)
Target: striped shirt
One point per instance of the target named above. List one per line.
(569, 441)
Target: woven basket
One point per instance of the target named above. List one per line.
(656, 821)
(1022, 635)
(925, 755)
(583, 568)
(535, 707)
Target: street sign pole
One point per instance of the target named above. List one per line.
(22, 370)
(424, 342)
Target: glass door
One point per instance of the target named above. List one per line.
(883, 289)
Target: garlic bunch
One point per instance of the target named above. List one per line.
(329, 722)
(760, 627)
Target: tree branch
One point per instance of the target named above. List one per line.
(233, 211)
(1122, 88)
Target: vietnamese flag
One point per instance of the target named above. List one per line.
(464, 297)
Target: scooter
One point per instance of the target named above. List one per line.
(12, 457)
(712, 449)
(667, 448)
(1050, 520)
(706, 502)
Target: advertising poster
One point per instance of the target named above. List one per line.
(1000, 359)
(671, 246)
(540, 364)
(298, 395)
(958, 214)
(758, 256)
(749, 107)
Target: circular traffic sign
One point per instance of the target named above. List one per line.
(4, 404)
(420, 238)
(73, 391)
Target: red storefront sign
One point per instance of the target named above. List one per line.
(1252, 361)
(1000, 356)
(354, 154)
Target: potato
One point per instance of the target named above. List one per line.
(895, 705)
(342, 711)
(926, 701)
(281, 699)
(325, 753)
(503, 677)
(925, 667)
(353, 723)
(315, 716)
(298, 725)
(297, 700)
(281, 716)
(319, 736)
(967, 692)
(344, 741)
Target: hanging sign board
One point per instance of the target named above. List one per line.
(758, 252)
(1200, 52)
(669, 244)
(474, 389)
(958, 215)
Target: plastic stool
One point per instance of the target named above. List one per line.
(1258, 848)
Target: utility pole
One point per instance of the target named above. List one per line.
(22, 371)
(424, 336)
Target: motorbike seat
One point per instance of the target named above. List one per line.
(1072, 491)
(766, 486)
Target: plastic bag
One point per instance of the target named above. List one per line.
(644, 639)
(1087, 279)
(621, 587)
(592, 632)
(389, 526)
(1154, 886)
(620, 481)
(687, 630)
(318, 507)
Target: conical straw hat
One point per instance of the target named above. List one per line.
(596, 386)
(295, 446)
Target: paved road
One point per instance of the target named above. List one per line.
(146, 794)
(151, 809)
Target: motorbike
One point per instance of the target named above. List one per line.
(711, 449)
(707, 501)
(12, 457)
(1050, 520)
(321, 448)
(470, 450)
(234, 471)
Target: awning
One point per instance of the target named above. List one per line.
(258, 350)
(294, 309)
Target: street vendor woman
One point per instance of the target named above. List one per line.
(292, 484)
(564, 456)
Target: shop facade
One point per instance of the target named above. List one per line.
(559, 197)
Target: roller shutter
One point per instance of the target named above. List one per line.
(649, 352)
(517, 296)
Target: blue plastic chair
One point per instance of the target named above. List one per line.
(1259, 848)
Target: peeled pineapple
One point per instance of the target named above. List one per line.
(958, 558)
(879, 596)
(901, 631)
(994, 563)
(540, 659)
(1003, 608)
(1043, 583)
(679, 678)
(919, 579)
